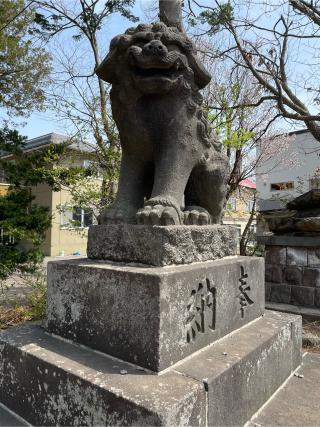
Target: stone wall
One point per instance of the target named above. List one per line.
(293, 274)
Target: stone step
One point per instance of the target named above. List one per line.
(297, 402)
(310, 314)
(50, 381)
(10, 419)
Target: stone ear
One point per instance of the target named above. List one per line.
(201, 76)
(106, 70)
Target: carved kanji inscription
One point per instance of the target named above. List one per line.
(201, 310)
(244, 289)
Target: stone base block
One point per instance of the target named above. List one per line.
(51, 382)
(161, 246)
(151, 316)
(241, 371)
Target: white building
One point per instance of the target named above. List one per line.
(292, 169)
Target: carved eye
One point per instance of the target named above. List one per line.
(171, 47)
(140, 43)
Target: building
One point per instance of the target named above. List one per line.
(290, 172)
(239, 207)
(68, 232)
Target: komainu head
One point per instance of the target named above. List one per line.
(153, 59)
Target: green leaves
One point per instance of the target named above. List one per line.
(24, 222)
(214, 17)
(227, 123)
(24, 67)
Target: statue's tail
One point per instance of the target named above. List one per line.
(171, 13)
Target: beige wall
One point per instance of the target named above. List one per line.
(59, 239)
(63, 239)
(241, 215)
(3, 189)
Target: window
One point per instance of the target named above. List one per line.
(279, 186)
(94, 166)
(5, 239)
(238, 227)
(2, 177)
(87, 163)
(314, 183)
(76, 217)
(249, 205)
(232, 204)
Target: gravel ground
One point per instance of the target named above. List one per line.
(13, 291)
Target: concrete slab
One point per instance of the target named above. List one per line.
(307, 313)
(49, 381)
(297, 402)
(9, 419)
(243, 370)
(161, 245)
(287, 240)
(152, 316)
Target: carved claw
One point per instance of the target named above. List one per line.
(195, 215)
(158, 215)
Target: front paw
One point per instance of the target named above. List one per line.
(195, 215)
(158, 215)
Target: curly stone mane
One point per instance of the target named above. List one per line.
(193, 77)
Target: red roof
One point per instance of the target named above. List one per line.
(248, 183)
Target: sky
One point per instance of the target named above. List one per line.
(41, 123)
(46, 122)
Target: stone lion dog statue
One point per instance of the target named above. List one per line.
(172, 169)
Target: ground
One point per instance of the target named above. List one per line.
(22, 298)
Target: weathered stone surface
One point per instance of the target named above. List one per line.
(297, 403)
(297, 256)
(10, 419)
(293, 275)
(168, 152)
(153, 316)
(314, 257)
(302, 216)
(280, 293)
(269, 272)
(161, 246)
(311, 224)
(267, 291)
(309, 200)
(311, 277)
(73, 385)
(310, 314)
(243, 370)
(276, 255)
(289, 240)
(317, 298)
(302, 295)
(274, 273)
(51, 382)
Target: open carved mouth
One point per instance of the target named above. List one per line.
(157, 72)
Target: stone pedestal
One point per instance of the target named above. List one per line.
(293, 270)
(152, 316)
(151, 343)
(160, 246)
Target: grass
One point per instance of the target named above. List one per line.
(311, 332)
(33, 306)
